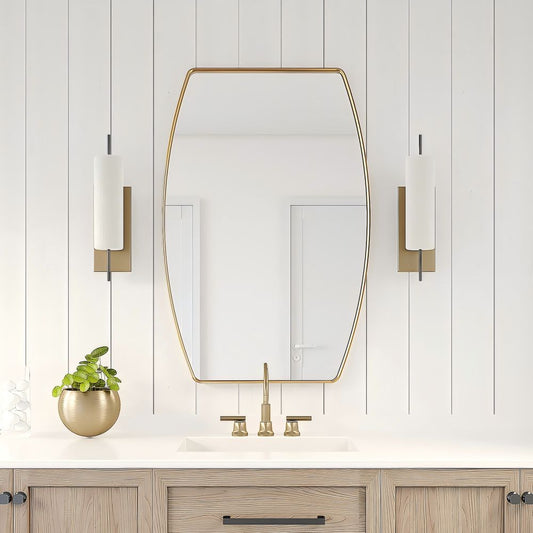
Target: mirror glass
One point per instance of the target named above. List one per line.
(266, 223)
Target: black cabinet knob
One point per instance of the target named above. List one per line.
(513, 498)
(6, 498)
(527, 498)
(19, 498)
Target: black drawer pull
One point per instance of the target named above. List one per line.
(318, 521)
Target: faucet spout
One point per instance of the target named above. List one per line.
(265, 426)
(265, 383)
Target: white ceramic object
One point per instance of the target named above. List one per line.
(15, 405)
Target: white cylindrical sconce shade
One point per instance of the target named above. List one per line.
(108, 202)
(419, 203)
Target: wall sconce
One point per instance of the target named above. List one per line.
(112, 215)
(416, 215)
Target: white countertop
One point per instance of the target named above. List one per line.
(116, 450)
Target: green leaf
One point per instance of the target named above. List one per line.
(100, 384)
(112, 371)
(117, 379)
(79, 377)
(91, 359)
(94, 366)
(105, 371)
(68, 380)
(56, 391)
(75, 385)
(84, 387)
(87, 369)
(113, 386)
(92, 378)
(111, 381)
(98, 352)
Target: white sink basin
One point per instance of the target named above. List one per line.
(253, 444)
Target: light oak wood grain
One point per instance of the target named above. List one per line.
(444, 501)
(6, 511)
(526, 511)
(67, 500)
(200, 509)
(83, 509)
(349, 498)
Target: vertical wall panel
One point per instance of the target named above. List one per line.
(514, 190)
(345, 47)
(302, 33)
(88, 129)
(472, 203)
(12, 188)
(60, 147)
(174, 52)
(302, 46)
(217, 37)
(260, 33)
(217, 44)
(47, 202)
(387, 144)
(259, 46)
(430, 306)
(132, 130)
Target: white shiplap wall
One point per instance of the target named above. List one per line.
(457, 72)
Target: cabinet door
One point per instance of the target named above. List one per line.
(206, 501)
(526, 511)
(441, 501)
(6, 511)
(68, 500)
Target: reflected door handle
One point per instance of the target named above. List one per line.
(5, 498)
(19, 498)
(304, 346)
(527, 498)
(513, 498)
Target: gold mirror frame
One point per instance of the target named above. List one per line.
(342, 74)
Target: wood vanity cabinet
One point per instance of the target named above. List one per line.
(202, 500)
(445, 501)
(79, 500)
(198, 500)
(526, 511)
(6, 509)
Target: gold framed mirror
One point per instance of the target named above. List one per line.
(266, 223)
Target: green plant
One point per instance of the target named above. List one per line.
(90, 375)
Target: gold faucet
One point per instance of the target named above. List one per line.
(265, 426)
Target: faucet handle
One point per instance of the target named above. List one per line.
(239, 425)
(291, 427)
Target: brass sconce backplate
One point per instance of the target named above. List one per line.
(408, 259)
(120, 259)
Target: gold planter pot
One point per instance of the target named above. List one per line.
(89, 413)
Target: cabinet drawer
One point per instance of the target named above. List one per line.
(201, 509)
